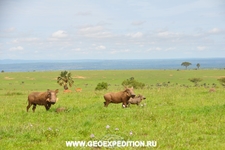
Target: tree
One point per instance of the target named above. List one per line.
(64, 79)
(186, 64)
(198, 65)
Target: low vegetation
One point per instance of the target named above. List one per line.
(102, 86)
(195, 80)
(133, 83)
(176, 114)
(222, 81)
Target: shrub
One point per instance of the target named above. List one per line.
(134, 83)
(222, 81)
(195, 80)
(102, 86)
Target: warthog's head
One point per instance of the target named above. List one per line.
(141, 97)
(130, 92)
(51, 96)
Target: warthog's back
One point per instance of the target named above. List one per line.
(115, 97)
(37, 97)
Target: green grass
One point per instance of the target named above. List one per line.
(177, 116)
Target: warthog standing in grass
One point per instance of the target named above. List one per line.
(136, 100)
(42, 98)
(119, 97)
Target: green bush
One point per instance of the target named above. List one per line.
(195, 80)
(134, 83)
(102, 86)
(222, 81)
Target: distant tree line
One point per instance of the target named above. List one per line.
(186, 64)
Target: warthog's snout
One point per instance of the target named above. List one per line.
(52, 102)
(133, 95)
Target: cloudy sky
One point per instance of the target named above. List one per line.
(111, 29)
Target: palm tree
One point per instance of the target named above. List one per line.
(186, 64)
(64, 79)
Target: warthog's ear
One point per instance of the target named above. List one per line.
(57, 91)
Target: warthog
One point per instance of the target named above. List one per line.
(136, 100)
(42, 98)
(119, 97)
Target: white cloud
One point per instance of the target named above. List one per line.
(10, 29)
(167, 34)
(18, 48)
(83, 13)
(77, 49)
(135, 35)
(158, 48)
(91, 29)
(101, 47)
(59, 34)
(154, 49)
(215, 31)
(94, 32)
(170, 48)
(119, 51)
(25, 40)
(201, 48)
(137, 23)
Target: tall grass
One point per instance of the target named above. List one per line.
(177, 116)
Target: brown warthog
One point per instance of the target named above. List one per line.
(42, 98)
(119, 97)
(136, 100)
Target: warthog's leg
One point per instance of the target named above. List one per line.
(124, 105)
(106, 103)
(34, 107)
(47, 106)
(28, 106)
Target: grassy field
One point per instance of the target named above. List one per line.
(176, 114)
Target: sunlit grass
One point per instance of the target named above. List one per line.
(177, 116)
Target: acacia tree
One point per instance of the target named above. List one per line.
(198, 65)
(64, 79)
(186, 64)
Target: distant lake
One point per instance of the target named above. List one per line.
(150, 64)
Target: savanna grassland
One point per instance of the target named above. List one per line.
(176, 114)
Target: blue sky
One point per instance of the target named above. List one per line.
(111, 29)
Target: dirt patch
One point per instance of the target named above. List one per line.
(29, 78)
(8, 78)
(221, 76)
(79, 77)
(213, 77)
